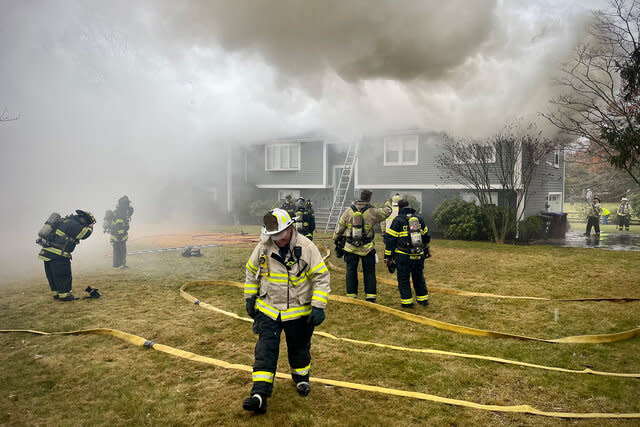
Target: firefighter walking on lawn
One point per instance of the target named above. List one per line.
(286, 288)
(406, 248)
(354, 239)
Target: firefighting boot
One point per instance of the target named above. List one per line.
(256, 403)
(303, 388)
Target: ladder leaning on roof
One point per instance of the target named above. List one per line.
(343, 186)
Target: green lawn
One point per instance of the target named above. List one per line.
(99, 380)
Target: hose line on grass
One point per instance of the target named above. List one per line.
(459, 292)
(515, 409)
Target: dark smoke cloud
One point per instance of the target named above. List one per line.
(358, 39)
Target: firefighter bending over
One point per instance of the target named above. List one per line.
(58, 238)
(286, 288)
(305, 219)
(406, 248)
(353, 238)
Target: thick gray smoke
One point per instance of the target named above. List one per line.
(138, 97)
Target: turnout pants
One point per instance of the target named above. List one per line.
(411, 269)
(58, 273)
(368, 271)
(592, 221)
(298, 336)
(623, 221)
(119, 254)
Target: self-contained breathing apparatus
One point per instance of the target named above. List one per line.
(299, 221)
(48, 230)
(415, 235)
(357, 237)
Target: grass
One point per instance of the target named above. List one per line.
(99, 380)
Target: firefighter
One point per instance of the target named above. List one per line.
(353, 238)
(120, 231)
(304, 218)
(624, 214)
(286, 288)
(406, 247)
(56, 250)
(288, 206)
(593, 217)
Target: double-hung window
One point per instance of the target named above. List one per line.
(281, 156)
(401, 150)
(477, 153)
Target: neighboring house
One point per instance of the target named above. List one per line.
(396, 162)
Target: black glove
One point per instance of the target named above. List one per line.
(251, 306)
(339, 251)
(391, 264)
(427, 252)
(316, 317)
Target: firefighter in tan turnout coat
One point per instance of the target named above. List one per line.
(286, 288)
(353, 238)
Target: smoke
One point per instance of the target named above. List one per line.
(139, 98)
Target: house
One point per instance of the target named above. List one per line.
(404, 162)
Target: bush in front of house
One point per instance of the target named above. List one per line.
(462, 220)
(531, 228)
(634, 201)
(261, 207)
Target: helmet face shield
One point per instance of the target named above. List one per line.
(270, 222)
(275, 222)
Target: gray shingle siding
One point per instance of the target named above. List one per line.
(372, 171)
(547, 179)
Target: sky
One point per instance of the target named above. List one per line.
(130, 97)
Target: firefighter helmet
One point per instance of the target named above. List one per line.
(276, 221)
(88, 216)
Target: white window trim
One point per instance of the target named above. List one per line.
(273, 144)
(400, 161)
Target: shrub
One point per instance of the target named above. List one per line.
(260, 207)
(462, 220)
(531, 228)
(634, 201)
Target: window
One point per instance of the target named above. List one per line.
(470, 197)
(478, 153)
(282, 194)
(556, 158)
(401, 150)
(555, 202)
(282, 157)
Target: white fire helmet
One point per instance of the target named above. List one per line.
(275, 224)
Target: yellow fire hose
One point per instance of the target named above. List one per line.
(142, 342)
(184, 294)
(451, 291)
(579, 339)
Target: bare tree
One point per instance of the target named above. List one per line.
(503, 165)
(600, 89)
